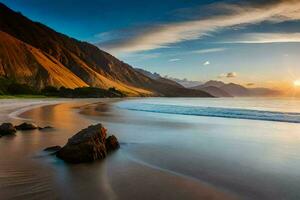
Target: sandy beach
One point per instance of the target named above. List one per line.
(27, 172)
(162, 155)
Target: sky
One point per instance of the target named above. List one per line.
(254, 43)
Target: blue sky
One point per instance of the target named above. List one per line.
(233, 41)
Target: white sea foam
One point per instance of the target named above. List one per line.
(237, 113)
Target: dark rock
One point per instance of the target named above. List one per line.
(26, 126)
(112, 143)
(53, 148)
(7, 129)
(86, 146)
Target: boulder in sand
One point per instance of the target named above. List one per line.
(112, 143)
(87, 145)
(26, 126)
(7, 129)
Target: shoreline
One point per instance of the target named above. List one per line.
(13, 110)
(201, 189)
(160, 153)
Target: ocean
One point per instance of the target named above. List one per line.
(171, 148)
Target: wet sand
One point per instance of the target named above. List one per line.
(147, 166)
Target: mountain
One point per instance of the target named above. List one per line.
(184, 82)
(149, 74)
(41, 56)
(236, 90)
(217, 84)
(214, 88)
(232, 89)
(158, 77)
(215, 91)
(30, 65)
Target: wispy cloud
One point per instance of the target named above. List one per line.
(228, 75)
(260, 38)
(206, 63)
(139, 56)
(212, 50)
(174, 59)
(165, 34)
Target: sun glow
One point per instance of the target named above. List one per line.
(297, 83)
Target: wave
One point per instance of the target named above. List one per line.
(214, 112)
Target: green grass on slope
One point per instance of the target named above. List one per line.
(23, 96)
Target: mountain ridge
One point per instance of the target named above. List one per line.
(236, 90)
(215, 91)
(25, 55)
(93, 66)
(158, 77)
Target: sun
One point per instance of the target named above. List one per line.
(297, 83)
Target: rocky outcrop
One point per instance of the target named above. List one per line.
(88, 145)
(112, 143)
(7, 129)
(26, 126)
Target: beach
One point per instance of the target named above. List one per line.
(165, 153)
